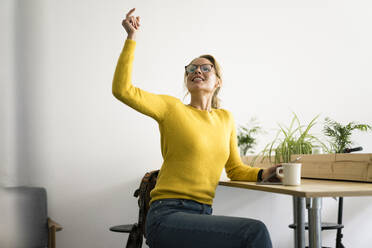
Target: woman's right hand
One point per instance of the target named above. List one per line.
(131, 24)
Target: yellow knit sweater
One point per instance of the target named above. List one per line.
(196, 144)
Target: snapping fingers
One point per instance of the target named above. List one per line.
(130, 12)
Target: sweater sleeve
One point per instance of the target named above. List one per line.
(145, 102)
(235, 168)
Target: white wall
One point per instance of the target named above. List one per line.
(70, 135)
(7, 123)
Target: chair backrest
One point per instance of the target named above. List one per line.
(148, 182)
(31, 217)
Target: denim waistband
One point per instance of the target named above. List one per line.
(183, 202)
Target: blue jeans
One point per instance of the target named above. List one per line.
(172, 223)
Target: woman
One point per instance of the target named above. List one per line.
(197, 141)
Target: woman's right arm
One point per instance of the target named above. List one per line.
(145, 102)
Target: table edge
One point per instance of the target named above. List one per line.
(289, 191)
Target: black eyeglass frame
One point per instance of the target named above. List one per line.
(212, 66)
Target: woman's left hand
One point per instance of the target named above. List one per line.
(268, 172)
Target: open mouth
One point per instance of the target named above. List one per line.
(197, 79)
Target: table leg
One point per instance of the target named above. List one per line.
(299, 221)
(314, 207)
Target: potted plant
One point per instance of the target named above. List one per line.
(340, 135)
(247, 136)
(295, 139)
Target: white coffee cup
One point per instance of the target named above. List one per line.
(290, 173)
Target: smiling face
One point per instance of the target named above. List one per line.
(199, 81)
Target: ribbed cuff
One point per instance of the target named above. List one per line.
(130, 44)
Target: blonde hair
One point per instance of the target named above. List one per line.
(216, 102)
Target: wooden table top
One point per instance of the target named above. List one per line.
(310, 188)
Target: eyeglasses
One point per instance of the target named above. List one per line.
(204, 68)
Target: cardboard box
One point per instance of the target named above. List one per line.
(342, 166)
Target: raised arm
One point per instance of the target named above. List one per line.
(145, 102)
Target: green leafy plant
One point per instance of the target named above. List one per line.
(340, 135)
(247, 136)
(295, 139)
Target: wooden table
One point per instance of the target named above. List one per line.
(310, 192)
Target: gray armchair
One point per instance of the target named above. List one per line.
(32, 226)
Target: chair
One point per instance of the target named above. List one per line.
(137, 230)
(331, 226)
(30, 221)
